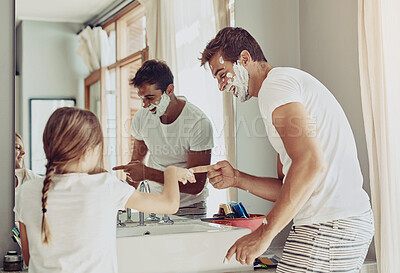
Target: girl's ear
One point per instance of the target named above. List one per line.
(87, 152)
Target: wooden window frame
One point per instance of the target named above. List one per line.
(99, 75)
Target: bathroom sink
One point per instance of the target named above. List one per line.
(186, 246)
(157, 229)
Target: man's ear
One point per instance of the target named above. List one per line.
(170, 89)
(245, 58)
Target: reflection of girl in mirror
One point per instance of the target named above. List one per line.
(70, 219)
(21, 173)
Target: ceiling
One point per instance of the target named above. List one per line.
(73, 11)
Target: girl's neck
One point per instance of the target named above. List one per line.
(74, 167)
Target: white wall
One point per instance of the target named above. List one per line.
(48, 67)
(7, 11)
(329, 51)
(275, 25)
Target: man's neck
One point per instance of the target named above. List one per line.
(262, 72)
(174, 109)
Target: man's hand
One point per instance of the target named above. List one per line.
(250, 246)
(222, 174)
(134, 171)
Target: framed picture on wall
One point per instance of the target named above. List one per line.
(39, 112)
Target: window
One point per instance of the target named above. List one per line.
(107, 89)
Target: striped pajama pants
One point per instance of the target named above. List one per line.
(335, 246)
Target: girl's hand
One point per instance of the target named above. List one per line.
(184, 175)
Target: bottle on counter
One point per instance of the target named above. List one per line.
(12, 261)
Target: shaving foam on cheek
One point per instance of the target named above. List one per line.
(221, 60)
(240, 82)
(160, 106)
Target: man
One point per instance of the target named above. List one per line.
(320, 185)
(173, 132)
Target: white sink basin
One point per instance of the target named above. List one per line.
(157, 229)
(189, 246)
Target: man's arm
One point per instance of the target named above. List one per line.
(279, 167)
(136, 170)
(304, 149)
(222, 176)
(290, 121)
(139, 150)
(196, 158)
(140, 171)
(267, 188)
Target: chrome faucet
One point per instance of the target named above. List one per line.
(128, 216)
(166, 220)
(143, 187)
(119, 222)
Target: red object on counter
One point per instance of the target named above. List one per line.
(253, 222)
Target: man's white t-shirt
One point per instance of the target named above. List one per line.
(81, 212)
(169, 144)
(339, 193)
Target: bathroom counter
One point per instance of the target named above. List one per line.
(272, 270)
(277, 251)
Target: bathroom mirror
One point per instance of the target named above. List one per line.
(49, 67)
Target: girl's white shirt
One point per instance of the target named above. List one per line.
(29, 175)
(81, 212)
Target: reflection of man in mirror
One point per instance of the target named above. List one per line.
(173, 132)
(21, 173)
(319, 180)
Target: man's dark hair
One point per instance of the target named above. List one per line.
(153, 72)
(231, 41)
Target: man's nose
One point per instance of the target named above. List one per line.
(145, 104)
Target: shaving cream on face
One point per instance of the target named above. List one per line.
(239, 82)
(160, 106)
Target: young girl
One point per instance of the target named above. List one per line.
(21, 173)
(68, 223)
